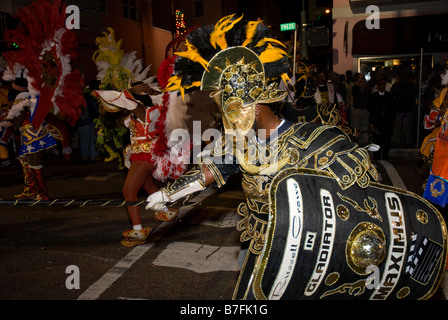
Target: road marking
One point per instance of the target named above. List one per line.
(96, 289)
(213, 216)
(199, 258)
(393, 175)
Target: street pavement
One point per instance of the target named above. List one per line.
(74, 253)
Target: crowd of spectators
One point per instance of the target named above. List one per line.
(383, 104)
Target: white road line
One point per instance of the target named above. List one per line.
(197, 257)
(393, 175)
(96, 289)
(217, 217)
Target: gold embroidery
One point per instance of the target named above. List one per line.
(355, 289)
(252, 228)
(371, 210)
(434, 192)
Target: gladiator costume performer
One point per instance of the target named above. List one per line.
(314, 219)
(45, 50)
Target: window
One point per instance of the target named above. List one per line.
(130, 9)
(199, 9)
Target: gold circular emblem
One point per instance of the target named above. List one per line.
(332, 278)
(365, 246)
(403, 292)
(293, 155)
(323, 161)
(422, 216)
(343, 212)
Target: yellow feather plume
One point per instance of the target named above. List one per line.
(269, 40)
(250, 32)
(174, 84)
(303, 70)
(271, 54)
(192, 53)
(109, 49)
(217, 37)
(285, 78)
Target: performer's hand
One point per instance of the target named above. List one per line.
(141, 89)
(156, 201)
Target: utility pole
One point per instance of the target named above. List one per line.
(303, 33)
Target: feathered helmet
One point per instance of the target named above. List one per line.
(239, 61)
(46, 49)
(118, 70)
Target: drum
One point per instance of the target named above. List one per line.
(324, 242)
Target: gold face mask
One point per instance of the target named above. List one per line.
(237, 77)
(238, 117)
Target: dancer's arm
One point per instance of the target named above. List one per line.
(197, 179)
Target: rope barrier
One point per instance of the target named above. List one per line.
(81, 203)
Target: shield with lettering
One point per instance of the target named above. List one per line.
(323, 242)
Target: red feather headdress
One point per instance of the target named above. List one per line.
(46, 48)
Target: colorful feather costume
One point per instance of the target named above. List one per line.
(117, 71)
(46, 48)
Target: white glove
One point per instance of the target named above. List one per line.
(156, 201)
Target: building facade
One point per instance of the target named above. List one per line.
(369, 32)
(146, 26)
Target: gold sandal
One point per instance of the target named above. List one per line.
(166, 216)
(133, 238)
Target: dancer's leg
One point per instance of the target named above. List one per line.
(135, 180)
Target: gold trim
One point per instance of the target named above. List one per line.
(258, 272)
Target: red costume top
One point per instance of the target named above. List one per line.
(142, 135)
